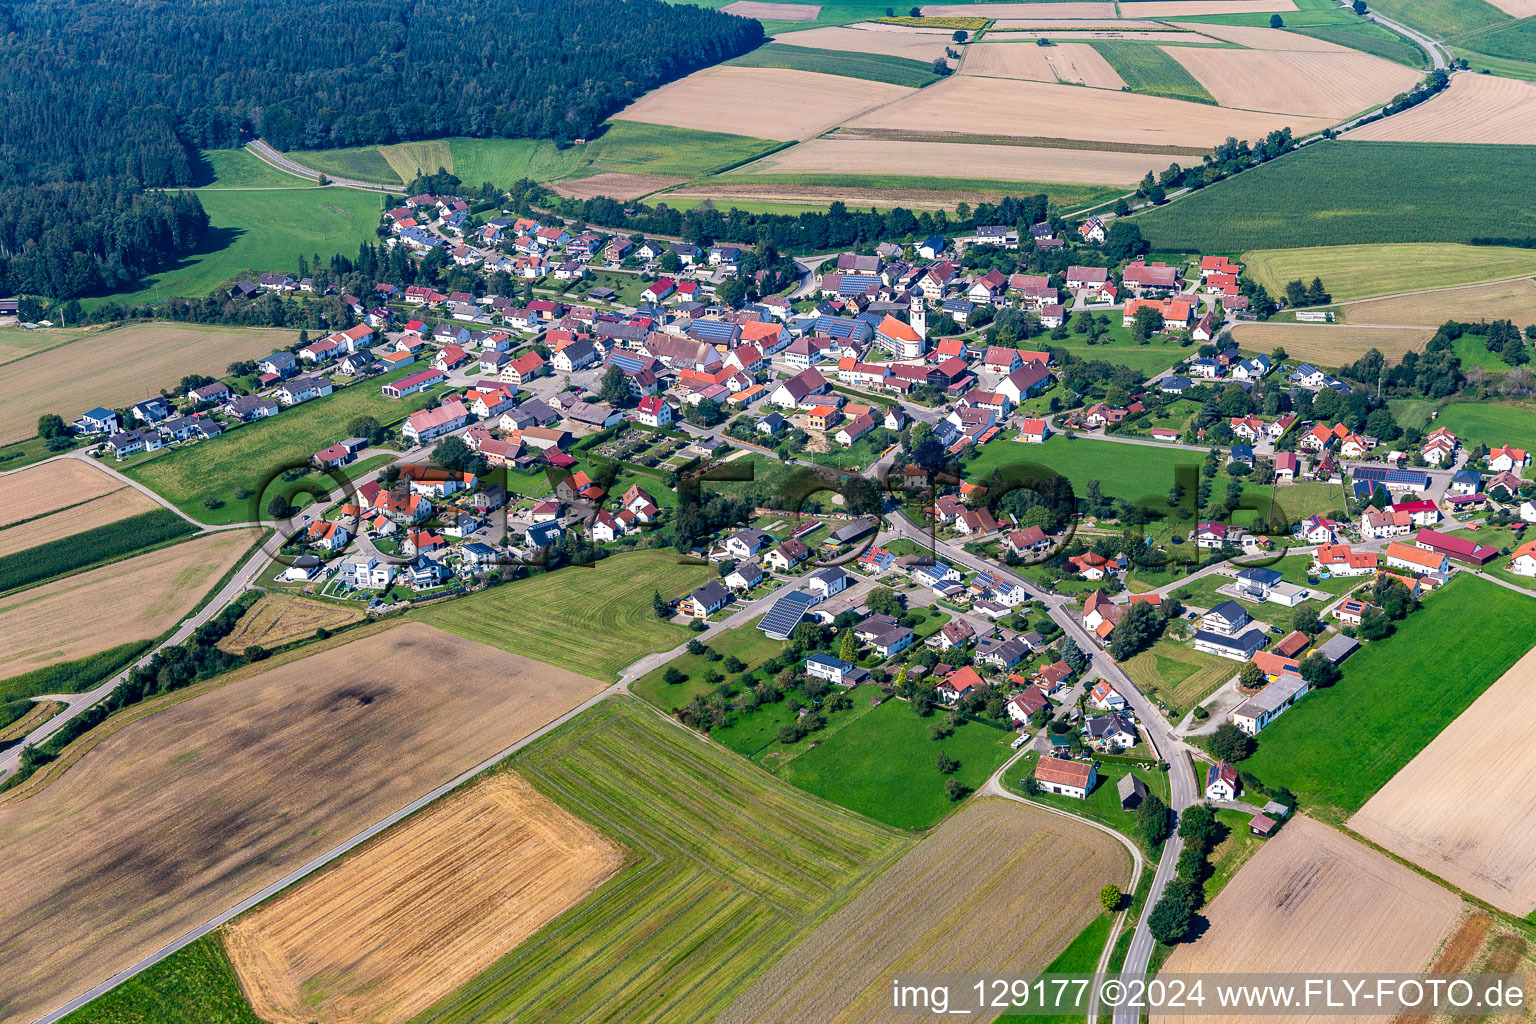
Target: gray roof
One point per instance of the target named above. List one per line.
(1229, 610)
(1272, 696)
(1130, 785)
(1338, 648)
(853, 531)
(711, 593)
(1247, 644)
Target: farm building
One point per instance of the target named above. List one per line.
(1066, 778)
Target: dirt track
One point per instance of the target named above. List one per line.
(180, 815)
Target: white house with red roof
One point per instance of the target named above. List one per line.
(1034, 430)
(1221, 782)
(1506, 459)
(653, 411)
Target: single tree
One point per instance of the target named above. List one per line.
(659, 606)
(1275, 21)
(1152, 820)
(946, 764)
(279, 507)
(1230, 743)
(1170, 920)
(1198, 826)
(1110, 897)
(615, 387)
(1251, 677)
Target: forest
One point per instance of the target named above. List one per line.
(122, 95)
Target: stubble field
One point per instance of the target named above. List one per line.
(135, 599)
(1365, 271)
(1513, 300)
(766, 103)
(1045, 110)
(277, 619)
(771, 11)
(1462, 809)
(1329, 344)
(1198, 8)
(835, 155)
(1011, 910)
(121, 366)
(1073, 9)
(1473, 108)
(1081, 64)
(87, 515)
(728, 868)
(40, 490)
(398, 926)
(867, 37)
(176, 817)
(1312, 899)
(1331, 85)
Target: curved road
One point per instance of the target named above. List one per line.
(263, 151)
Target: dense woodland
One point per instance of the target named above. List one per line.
(122, 95)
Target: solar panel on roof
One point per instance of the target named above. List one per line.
(786, 614)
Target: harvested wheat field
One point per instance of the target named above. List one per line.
(615, 185)
(997, 106)
(1516, 8)
(1507, 300)
(1197, 8)
(1312, 899)
(420, 911)
(1081, 64)
(772, 12)
(109, 508)
(1268, 38)
(1014, 10)
(765, 103)
(38, 490)
(1149, 37)
(1004, 163)
(1319, 84)
(121, 366)
(1329, 344)
(129, 600)
(1108, 24)
(1007, 60)
(1473, 108)
(868, 37)
(1471, 819)
(821, 195)
(278, 619)
(179, 816)
(1012, 910)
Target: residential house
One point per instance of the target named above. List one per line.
(1066, 778)
(1221, 782)
(1416, 560)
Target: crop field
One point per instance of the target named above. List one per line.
(771, 11)
(121, 366)
(1512, 300)
(873, 67)
(1012, 910)
(1475, 108)
(1007, 60)
(422, 910)
(257, 230)
(1515, 41)
(1337, 193)
(1149, 68)
(767, 103)
(110, 541)
(51, 488)
(867, 37)
(195, 985)
(410, 159)
(1329, 344)
(615, 185)
(836, 156)
(1445, 18)
(1201, 8)
(594, 621)
(86, 613)
(1464, 818)
(75, 519)
(1312, 899)
(18, 342)
(1317, 83)
(1340, 745)
(1082, 64)
(879, 190)
(728, 867)
(1043, 110)
(360, 163)
(1361, 271)
(193, 476)
(183, 813)
(16, 692)
(1492, 423)
(882, 765)
(1073, 9)
(278, 619)
(1179, 675)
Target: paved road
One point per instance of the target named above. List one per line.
(264, 152)
(1158, 731)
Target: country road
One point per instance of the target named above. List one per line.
(264, 152)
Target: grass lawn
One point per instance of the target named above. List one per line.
(1154, 357)
(195, 985)
(590, 620)
(1362, 271)
(1492, 423)
(1147, 68)
(1505, 540)
(1080, 957)
(727, 867)
(858, 455)
(747, 642)
(1443, 18)
(239, 168)
(1103, 804)
(882, 765)
(1177, 675)
(259, 230)
(1474, 355)
(1129, 471)
(1322, 19)
(251, 455)
(1338, 746)
(1340, 193)
(1232, 852)
(1411, 412)
(876, 67)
